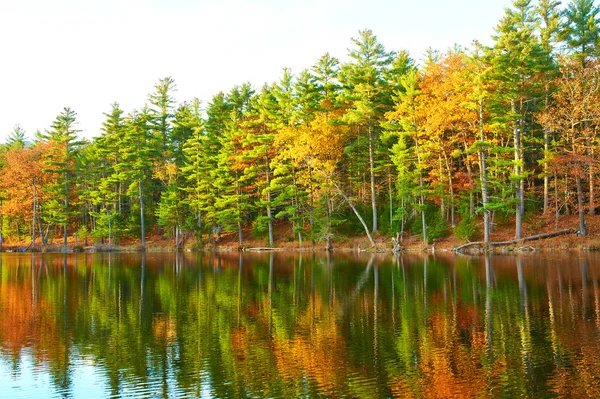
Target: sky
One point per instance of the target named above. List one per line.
(88, 54)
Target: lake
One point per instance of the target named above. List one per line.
(299, 325)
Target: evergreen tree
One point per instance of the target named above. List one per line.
(260, 126)
(63, 134)
(549, 24)
(108, 156)
(368, 96)
(187, 123)
(478, 93)
(161, 111)
(581, 32)
(305, 98)
(199, 163)
(16, 138)
(404, 122)
(139, 149)
(518, 59)
(232, 203)
(326, 74)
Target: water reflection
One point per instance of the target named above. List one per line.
(288, 325)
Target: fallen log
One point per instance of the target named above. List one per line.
(530, 238)
(257, 249)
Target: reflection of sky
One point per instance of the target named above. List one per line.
(31, 379)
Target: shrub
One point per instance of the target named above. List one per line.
(467, 228)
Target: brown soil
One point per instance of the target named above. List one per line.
(284, 238)
(536, 225)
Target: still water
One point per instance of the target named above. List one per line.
(290, 325)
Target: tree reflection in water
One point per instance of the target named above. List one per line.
(287, 325)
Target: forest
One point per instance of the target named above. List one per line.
(380, 145)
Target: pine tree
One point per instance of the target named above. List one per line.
(260, 127)
(478, 96)
(400, 66)
(108, 156)
(549, 25)
(139, 149)
(326, 74)
(368, 96)
(518, 59)
(581, 32)
(405, 122)
(232, 202)
(16, 138)
(63, 134)
(186, 125)
(161, 111)
(305, 98)
(199, 158)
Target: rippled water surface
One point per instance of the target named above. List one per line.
(290, 325)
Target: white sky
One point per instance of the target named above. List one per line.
(87, 54)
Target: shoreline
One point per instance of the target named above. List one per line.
(542, 235)
(517, 248)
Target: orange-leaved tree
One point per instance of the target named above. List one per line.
(23, 181)
(575, 115)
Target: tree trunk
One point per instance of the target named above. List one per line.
(391, 201)
(297, 217)
(510, 242)
(421, 188)
(66, 209)
(590, 153)
(470, 177)
(142, 221)
(355, 212)
(312, 207)
(41, 233)
(442, 201)
(517, 170)
(269, 211)
(556, 201)
(580, 208)
(546, 167)
(566, 187)
(546, 143)
(34, 212)
(484, 178)
(372, 172)
(45, 235)
(199, 238)
(120, 199)
(239, 209)
(402, 221)
(109, 229)
(450, 184)
(592, 205)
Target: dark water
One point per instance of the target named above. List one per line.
(286, 325)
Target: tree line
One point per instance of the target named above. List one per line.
(376, 145)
